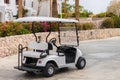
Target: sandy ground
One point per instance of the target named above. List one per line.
(103, 63)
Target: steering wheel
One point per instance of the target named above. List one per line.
(53, 40)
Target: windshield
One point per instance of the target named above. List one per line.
(68, 36)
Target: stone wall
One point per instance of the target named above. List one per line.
(98, 34)
(9, 45)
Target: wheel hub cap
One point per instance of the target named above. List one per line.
(82, 63)
(50, 70)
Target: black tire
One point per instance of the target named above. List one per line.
(30, 72)
(81, 63)
(49, 70)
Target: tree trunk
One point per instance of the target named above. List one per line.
(65, 10)
(20, 9)
(54, 9)
(50, 8)
(77, 9)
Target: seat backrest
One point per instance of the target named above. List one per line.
(50, 46)
(38, 46)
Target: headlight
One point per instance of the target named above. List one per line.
(42, 55)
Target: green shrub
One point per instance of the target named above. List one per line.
(59, 15)
(23, 31)
(38, 27)
(79, 26)
(12, 28)
(101, 15)
(116, 20)
(54, 26)
(73, 14)
(8, 28)
(88, 26)
(64, 15)
(3, 33)
(108, 23)
(70, 14)
(110, 15)
(26, 25)
(83, 15)
(85, 26)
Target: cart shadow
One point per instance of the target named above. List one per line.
(34, 76)
(62, 70)
(20, 75)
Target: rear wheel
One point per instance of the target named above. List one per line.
(81, 63)
(49, 70)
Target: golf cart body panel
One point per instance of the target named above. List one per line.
(40, 56)
(78, 54)
(41, 62)
(59, 60)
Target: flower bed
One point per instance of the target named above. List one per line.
(15, 28)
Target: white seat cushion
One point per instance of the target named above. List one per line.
(32, 54)
(38, 46)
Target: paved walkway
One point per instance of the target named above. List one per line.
(103, 63)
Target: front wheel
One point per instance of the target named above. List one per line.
(81, 63)
(49, 70)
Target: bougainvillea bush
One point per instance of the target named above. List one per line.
(15, 28)
(12, 28)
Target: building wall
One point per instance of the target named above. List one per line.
(2, 13)
(45, 8)
(35, 6)
(28, 3)
(13, 6)
(8, 10)
(31, 5)
(1, 2)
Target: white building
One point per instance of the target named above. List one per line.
(8, 8)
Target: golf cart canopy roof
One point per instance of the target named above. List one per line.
(44, 19)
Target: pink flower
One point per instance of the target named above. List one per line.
(3, 26)
(44, 23)
(30, 28)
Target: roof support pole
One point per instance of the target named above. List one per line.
(34, 31)
(49, 32)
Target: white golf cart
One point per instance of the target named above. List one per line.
(40, 57)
